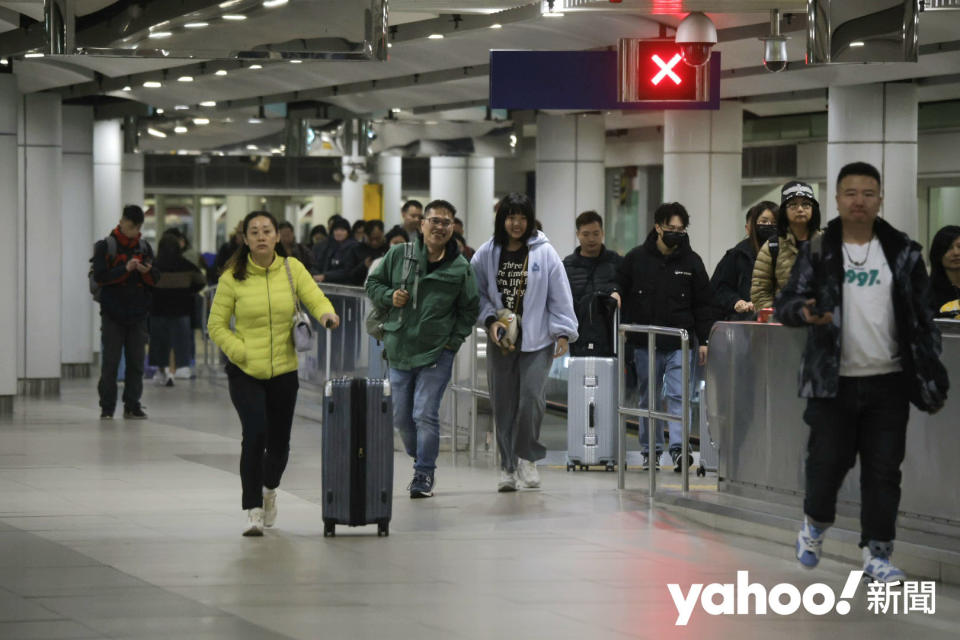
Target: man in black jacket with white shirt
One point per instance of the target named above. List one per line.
(663, 282)
(872, 349)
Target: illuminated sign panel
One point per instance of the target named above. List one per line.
(654, 70)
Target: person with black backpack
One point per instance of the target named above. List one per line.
(121, 279)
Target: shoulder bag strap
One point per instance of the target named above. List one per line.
(293, 290)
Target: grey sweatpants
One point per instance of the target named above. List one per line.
(517, 395)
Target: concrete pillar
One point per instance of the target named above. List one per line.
(390, 175)
(107, 176)
(876, 123)
(351, 191)
(9, 242)
(570, 174)
(237, 209)
(76, 304)
(208, 229)
(702, 169)
(159, 217)
(478, 215)
(131, 181)
(41, 126)
(448, 181)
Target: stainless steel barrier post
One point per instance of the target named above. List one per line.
(650, 413)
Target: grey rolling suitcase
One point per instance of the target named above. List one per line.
(377, 366)
(592, 413)
(709, 446)
(357, 457)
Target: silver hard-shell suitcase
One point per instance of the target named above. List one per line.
(709, 444)
(592, 412)
(357, 456)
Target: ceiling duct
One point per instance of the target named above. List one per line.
(841, 31)
(200, 29)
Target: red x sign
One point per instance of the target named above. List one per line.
(666, 69)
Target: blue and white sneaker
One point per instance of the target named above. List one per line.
(878, 568)
(809, 544)
(422, 485)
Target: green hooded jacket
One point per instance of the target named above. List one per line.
(441, 312)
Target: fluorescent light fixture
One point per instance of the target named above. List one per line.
(185, 79)
(296, 61)
(156, 35)
(220, 72)
(395, 110)
(196, 25)
(201, 121)
(208, 103)
(435, 36)
(181, 107)
(237, 17)
(158, 111)
(277, 151)
(33, 55)
(255, 66)
(127, 88)
(152, 84)
(180, 129)
(270, 4)
(252, 147)
(857, 43)
(156, 133)
(4, 61)
(254, 121)
(496, 25)
(228, 4)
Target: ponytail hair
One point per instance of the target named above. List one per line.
(238, 261)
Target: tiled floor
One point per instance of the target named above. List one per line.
(132, 530)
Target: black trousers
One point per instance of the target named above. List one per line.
(868, 417)
(265, 408)
(131, 338)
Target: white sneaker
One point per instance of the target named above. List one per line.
(528, 474)
(269, 507)
(183, 373)
(508, 482)
(254, 523)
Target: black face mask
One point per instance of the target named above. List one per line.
(765, 232)
(673, 238)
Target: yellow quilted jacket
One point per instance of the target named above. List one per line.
(261, 344)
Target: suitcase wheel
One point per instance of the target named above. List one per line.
(383, 528)
(329, 529)
(701, 471)
(571, 467)
(610, 467)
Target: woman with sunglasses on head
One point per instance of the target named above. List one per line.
(259, 288)
(797, 222)
(527, 309)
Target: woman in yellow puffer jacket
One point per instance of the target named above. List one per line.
(256, 290)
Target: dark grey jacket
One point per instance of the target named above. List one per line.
(818, 273)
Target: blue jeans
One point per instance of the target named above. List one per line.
(416, 408)
(669, 374)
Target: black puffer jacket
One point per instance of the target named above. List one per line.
(334, 254)
(353, 269)
(592, 280)
(666, 290)
(587, 275)
(733, 278)
(818, 273)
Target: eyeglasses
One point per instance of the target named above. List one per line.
(794, 205)
(439, 222)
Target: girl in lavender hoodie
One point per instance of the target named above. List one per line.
(519, 271)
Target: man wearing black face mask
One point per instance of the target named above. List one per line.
(663, 282)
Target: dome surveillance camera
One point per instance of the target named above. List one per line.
(696, 36)
(774, 53)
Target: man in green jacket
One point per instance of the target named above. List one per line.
(431, 293)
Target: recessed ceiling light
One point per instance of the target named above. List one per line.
(181, 107)
(857, 43)
(389, 45)
(252, 147)
(156, 133)
(201, 121)
(256, 66)
(33, 55)
(270, 4)
(208, 103)
(254, 120)
(158, 111)
(156, 35)
(180, 129)
(196, 25)
(127, 88)
(496, 25)
(152, 84)
(234, 16)
(185, 79)
(296, 61)
(221, 72)
(4, 61)
(435, 36)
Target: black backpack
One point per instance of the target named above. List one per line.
(111, 241)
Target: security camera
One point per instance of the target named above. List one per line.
(774, 53)
(696, 36)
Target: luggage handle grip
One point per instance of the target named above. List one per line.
(592, 412)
